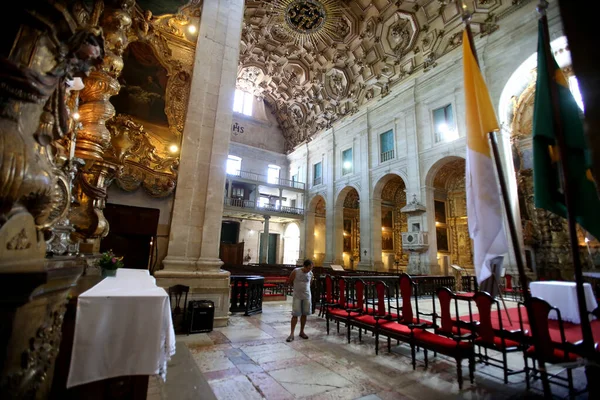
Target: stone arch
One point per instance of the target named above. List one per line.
(346, 234)
(384, 179)
(452, 243)
(343, 192)
(388, 222)
(314, 202)
(436, 166)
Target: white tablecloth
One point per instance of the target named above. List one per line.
(563, 295)
(123, 327)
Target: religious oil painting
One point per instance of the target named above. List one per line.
(442, 239)
(387, 241)
(440, 211)
(347, 235)
(143, 87)
(387, 217)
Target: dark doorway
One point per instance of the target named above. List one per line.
(230, 231)
(132, 234)
(272, 251)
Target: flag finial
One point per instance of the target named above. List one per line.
(466, 15)
(542, 7)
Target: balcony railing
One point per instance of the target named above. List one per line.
(252, 176)
(387, 155)
(317, 181)
(251, 204)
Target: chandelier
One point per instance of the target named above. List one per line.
(307, 21)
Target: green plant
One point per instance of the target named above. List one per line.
(109, 260)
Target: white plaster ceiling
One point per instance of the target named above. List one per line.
(374, 45)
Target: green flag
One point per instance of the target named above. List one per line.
(548, 188)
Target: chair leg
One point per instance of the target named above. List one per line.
(377, 344)
(505, 367)
(425, 357)
(472, 368)
(570, 380)
(327, 319)
(413, 355)
(338, 326)
(526, 371)
(348, 331)
(389, 343)
(459, 373)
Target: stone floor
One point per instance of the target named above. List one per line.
(250, 359)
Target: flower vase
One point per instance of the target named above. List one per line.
(108, 272)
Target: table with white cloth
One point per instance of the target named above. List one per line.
(123, 327)
(563, 295)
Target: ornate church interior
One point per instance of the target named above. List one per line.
(167, 164)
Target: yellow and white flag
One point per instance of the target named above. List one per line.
(484, 207)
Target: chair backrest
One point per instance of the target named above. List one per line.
(359, 290)
(508, 279)
(406, 290)
(445, 297)
(178, 291)
(342, 290)
(485, 303)
(538, 319)
(328, 289)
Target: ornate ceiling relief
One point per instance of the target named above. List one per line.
(346, 53)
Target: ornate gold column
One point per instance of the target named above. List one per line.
(94, 138)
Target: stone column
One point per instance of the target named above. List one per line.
(229, 188)
(337, 234)
(193, 255)
(430, 256)
(375, 227)
(307, 238)
(368, 213)
(264, 243)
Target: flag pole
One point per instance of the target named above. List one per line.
(588, 339)
(466, 17)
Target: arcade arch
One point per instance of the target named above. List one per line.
(389, 196)
(347, 232)
(447, 177)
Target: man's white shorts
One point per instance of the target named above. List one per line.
(300, 307)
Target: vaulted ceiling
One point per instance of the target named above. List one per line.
(316, 61)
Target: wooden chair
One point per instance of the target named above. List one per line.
(179, 292)
(497, 339)
(543, 348)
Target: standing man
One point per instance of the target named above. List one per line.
(301, 303)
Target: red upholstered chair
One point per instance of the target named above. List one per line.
(543, 348)
(497, 339)
(329, 296)
(507, 287)
(336, 311)
(373, 310)
(443, 322)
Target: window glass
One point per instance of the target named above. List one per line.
(443, 124)
(242, 102)
(347, 161)
(317, 174)
(234, 165)
(273, 174)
